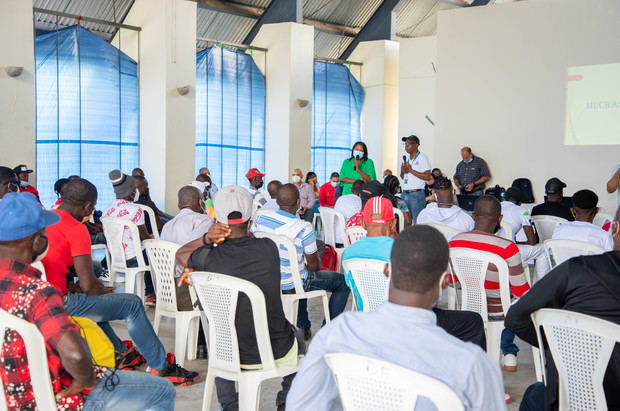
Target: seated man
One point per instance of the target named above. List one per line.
(272, 189)
(205, 171)
(554, 205)
(255, 178)
(444, 211)
(588, 285)
(23, 241)
(260, 264)
(204, 184)
(285, 222)
(367, 191)
(8, 181)
(307, 199)
(584, 209)
(124, 207)
(487, 217)
(144, 198)
(377, 245)
(69, 251)
(23, 174)
(349, 205)
(403, 331)
(327, 192)
(137, 172)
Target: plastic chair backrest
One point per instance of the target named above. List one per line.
(354, 234)
(218, 295)
(545, 224)
(447, 231)
(601, 218)
(470, 267)
(401, 219)
(37, 360)
(162, 262)
(39, 266)
(114, 229)
(370, 280)
(581, 346)
(507, 234)
(152, 219)
(333, 220)
(366, 383)
(286, 245)
(562, 250)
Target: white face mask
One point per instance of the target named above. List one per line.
(136, 196)
(358, 154)
(23, 184)
(296, 179)
(334, 184)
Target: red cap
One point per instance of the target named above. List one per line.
(378, 210)
(253, 172)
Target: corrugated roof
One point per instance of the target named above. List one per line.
(417, 18)
(98, 9)
(354, 13)
(330, 45)
(220, 26)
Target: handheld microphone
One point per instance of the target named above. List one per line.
(404, 159)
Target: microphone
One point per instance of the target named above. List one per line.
(404, 159)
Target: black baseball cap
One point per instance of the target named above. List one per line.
(554, 186)
(22, 168)
(413, 138)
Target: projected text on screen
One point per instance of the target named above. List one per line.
(593, 105)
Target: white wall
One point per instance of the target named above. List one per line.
(501, 74)
(17, 118)
(416, 93)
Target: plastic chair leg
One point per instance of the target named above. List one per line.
(249, 393)
(156, 321)
(451, 298)
(537, 364)
(493, 336)
(326, 308)
(181, 329)
(207, 397)
(192, 338)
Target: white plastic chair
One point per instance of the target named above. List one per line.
(260, 211)
(290, 302)
(401, 219)
(558, 251)
(602, 218)
(507, 231)
(369, 384)
(354, 234)
(581, 346)
(545, 224)
(39, 266)
(218, 294)
(114, 228)
(447, 231)
(334, 220)
(161, 259)
(152, 219)
(37, 360)
(370, 281)
(470, 267)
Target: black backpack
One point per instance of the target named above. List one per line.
(497, 192)
(525, 185)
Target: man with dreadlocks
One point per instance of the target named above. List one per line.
(444, 211)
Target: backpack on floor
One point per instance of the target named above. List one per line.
(328, 262)
(497, 192)
(525, 185)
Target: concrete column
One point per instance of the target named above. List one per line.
(380, 112)
(17, 118)
(167, 52)
(289, 73)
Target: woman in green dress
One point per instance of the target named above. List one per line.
(357, 167)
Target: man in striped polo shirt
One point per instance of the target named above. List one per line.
(487, 217)
(286, 222)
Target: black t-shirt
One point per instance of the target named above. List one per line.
(554, 209)
(256, 260)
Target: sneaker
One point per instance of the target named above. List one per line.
(177, 375)
(129, 359)
(507, 398)
(510, 362)
(150, 300)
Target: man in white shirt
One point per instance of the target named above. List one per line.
(614, 182)
(584, 209)
(348, 205)
(403, 331)
(444, 211)
(414, 171)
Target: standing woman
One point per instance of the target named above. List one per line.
(357, 167)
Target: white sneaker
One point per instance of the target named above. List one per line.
(510, 362)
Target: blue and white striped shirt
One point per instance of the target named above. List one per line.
(298, 231)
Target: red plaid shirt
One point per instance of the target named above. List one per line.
(24, 295)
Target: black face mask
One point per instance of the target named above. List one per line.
(259, 185)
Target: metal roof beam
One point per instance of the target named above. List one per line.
(381, 26)
(278, 11)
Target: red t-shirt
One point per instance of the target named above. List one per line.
(67, 239)
(327, 195)
(29, 189)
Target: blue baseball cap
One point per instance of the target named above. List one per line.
(21, 215)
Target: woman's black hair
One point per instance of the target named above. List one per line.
(365, 149)
(391, 183)
(309, 175)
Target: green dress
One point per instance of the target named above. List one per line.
(348, 171)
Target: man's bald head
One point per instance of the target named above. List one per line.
(273, 187)
(288, 197)
(190, 197)
(487, 214)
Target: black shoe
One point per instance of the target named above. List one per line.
(130, 359)
(177, 375)
(201, 352)
(307, 333)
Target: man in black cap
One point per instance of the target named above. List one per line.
(584, 209)
(8, 181)
(23, 173)
(554, 205)
(415, 170)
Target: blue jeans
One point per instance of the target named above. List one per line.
(116, 306)
(416, 201)
(328, 281)
(133, 391)
(507, 340)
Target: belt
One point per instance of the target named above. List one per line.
(413, 191)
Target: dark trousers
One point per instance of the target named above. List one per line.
(464, 325)
(534, 398)
(149, 289)
(227, 393)
(184, 303)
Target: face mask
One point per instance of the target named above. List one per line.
(259, 185)
(296, 179)
(470, 160)
(136, 196)
(334, 184)
(42, 254)
(23, 184)
(358, 154)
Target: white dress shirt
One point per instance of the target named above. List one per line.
(584, 231)
(406, 336)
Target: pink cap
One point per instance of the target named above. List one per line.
(378, 210)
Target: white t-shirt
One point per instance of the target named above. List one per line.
(129, 211)
(419, 163)
(271, 204)
(348, 205)
(515, 216)
(618, 188)
(583, 231)
(454, 217)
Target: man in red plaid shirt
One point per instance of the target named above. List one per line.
(75, 381)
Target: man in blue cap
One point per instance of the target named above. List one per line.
(25, 295)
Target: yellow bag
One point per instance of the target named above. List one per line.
(101, 348)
